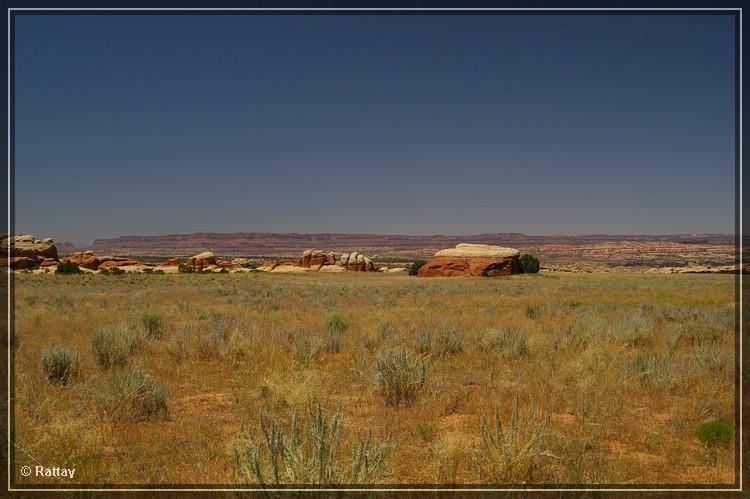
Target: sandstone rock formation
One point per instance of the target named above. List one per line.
(201, 260)
(314, 258)
(472, 260)
(357, 262)
(19, 248)
(88, 260)
(172, 262)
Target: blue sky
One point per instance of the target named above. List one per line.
(417, 124)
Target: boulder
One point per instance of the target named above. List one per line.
(472, 260)
(172, 262)
(49, 262)
(201, 260)
(225, 264)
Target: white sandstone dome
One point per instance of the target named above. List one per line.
(468, 250)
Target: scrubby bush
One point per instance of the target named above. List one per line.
(423, 343)
(112, 347)
(448, 341)
(184, 269)
(534, 310)
(305, 351)
(427, 432)
(512, 454)
(307, 454)
(715, 433)
(336, 326)
(153, 323)
(400, 377)
(414, 268)
(60, 364)
(68, 268)
(509, 341)
(388, 332)
(529, 264)
(135, 395)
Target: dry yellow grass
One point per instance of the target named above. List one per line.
(622, 366)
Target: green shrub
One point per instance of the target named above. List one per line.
(307, 454)
(399, 376)
(512, 454)
(153, 323)
(135, 395)
(115, 271)
(715, 433)
(112, 347)
(60, 364)
(414, 268)
(68, 268)
(529, 264)
(448, 341)
(105, 272)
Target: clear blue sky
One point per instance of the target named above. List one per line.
(153, 124)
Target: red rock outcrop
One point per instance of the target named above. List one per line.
(315, 258)
(85, 259)
(26, 246)
(201, 260)
(88, 260)
(225, 264)
(49, 262)
(172, 262)
(472, 260)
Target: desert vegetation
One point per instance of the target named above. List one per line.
(366, 378)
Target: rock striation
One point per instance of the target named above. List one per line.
(472, 260)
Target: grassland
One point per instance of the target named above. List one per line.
(612, 374)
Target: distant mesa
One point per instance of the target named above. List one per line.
(472, 260)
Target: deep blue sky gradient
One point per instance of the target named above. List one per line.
(420, 124)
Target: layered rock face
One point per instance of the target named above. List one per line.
(26, 252)
(472, 260)
(201, 260)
